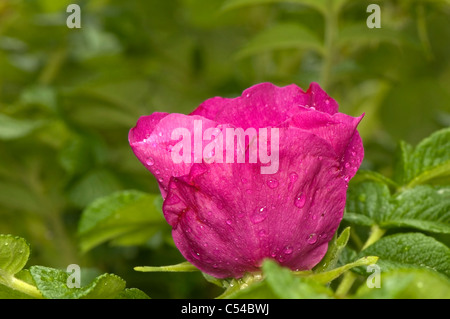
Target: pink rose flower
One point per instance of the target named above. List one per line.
(276, 190)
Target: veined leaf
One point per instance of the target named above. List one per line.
(422, 207)
(402, 156)
(52, 283)
(118, 215)
(14, 253)
(410, 250)
(367, 202)
(430, 159)
(282, 36)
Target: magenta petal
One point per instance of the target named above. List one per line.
(320, 100)
(226, 217)
(340, 131)
(265, 105)
(144, 127)
(152, 143)
(262, 105)
(229, 218)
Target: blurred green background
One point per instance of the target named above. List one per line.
(68, 98)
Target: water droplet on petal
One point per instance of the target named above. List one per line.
(312, 239)
(288, 250)
(150, 161)
(346, 178)
(292, 179)
(259, 215)
(327, 101)
(229, 221)
(300, 200)
(272, 183)
(347, 165)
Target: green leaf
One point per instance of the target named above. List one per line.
(9, 293)
(366, 202)
(132, 293)
(335, 247)
(14, 253)
(119, 215)
(430, 159)
(287, 286)
(93, 185)
(328, 276)
(401, 162)
(423, 207)
(52, 283)
(320, 5)
(365, 175)
(282, 36)
(40, 95)
(106, 286)
(256, 290)
(11, 128)
(181, 267)
(410, 250)
(408, 284)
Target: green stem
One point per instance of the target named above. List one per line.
(329, 52)
(25, 288)
(346, 284)
(423, 32)
(349, 278)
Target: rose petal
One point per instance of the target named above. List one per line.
(320, 100)
(231, 217)
(265, 105)
(152, 143)
(340, 131)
